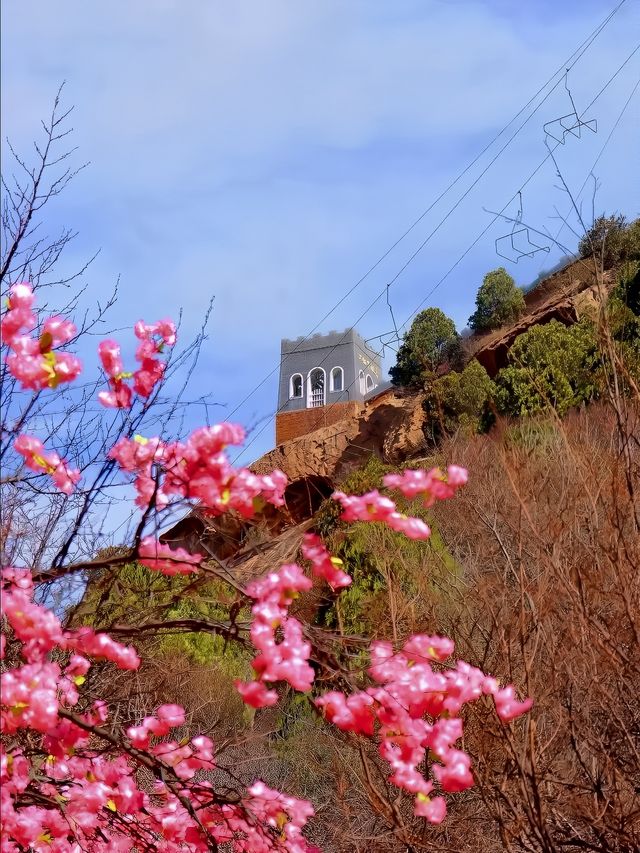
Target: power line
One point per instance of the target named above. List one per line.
(497, 216)
(514, 196)
(600, 153)
(571, 61)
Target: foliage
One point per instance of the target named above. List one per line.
(612, 240)
(431, 342)
(459, 401)
(498, 301)
(383, 562)
(627, 291)
(357, 482)
(115, 598)
(550, 366)
(533, 435)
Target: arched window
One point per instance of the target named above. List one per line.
(295, 386)
(336, 379)
(370, 383)
(315, 388)
(361, 381)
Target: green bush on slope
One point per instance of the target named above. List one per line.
(459, 401)
(551, 366)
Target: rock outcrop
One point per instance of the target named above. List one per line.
(390, 426)
(565, 296)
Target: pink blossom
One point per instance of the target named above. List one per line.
(160, 557)
(164, 331)
(433, 808)
(197, 469)
(154, 338)
(147, 376)
(287, 815)
(110, 357)
(323, 564)
(508, 707)
(432, 485)
(120, 396)
(100, 645)
(409, 689)
(33, 361)
(256, 694)
(455, 775)
(421, 646)
(413, 528)
(38, 459)
(56, 331)
(18, 315)
(43, 371)
(376, 507)
(353, 713)
(282, 586)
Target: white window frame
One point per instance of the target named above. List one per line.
(311, 403)
(332, 382)
(299, 396)
(369, 380)
(361, 381)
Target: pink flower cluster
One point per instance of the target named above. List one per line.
(408, 689)
(161, 558)
(185, 758)
(287, 660)
(322, 563)
(38, 459)
(40, 630)
(30, 694)
(34, 361)
(433, 485)
(153, 339)
(285, 815)
(64, 795)
(197, 469)
(376, 507)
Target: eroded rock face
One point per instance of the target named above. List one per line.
(404, 436)
(565, 296)
(389, 427)
(315, 453)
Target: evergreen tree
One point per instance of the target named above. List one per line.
(431, 342)
(498, 301)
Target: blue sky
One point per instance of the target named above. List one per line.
(268, 153)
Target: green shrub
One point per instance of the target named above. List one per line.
(372, 554)
(115, 596)
(431, 342)
(533, 436)
(364, 479)
(627, 291)
(612, 240)
(459, 401)
(550, 366)
(498, 301)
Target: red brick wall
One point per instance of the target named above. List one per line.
(291, 425)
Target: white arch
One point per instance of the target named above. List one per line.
(316, 388)
(296, 386)
(370, 383)
(337, 373)
(361, 381)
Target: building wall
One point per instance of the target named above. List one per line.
(337, 349)
(293, 424)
